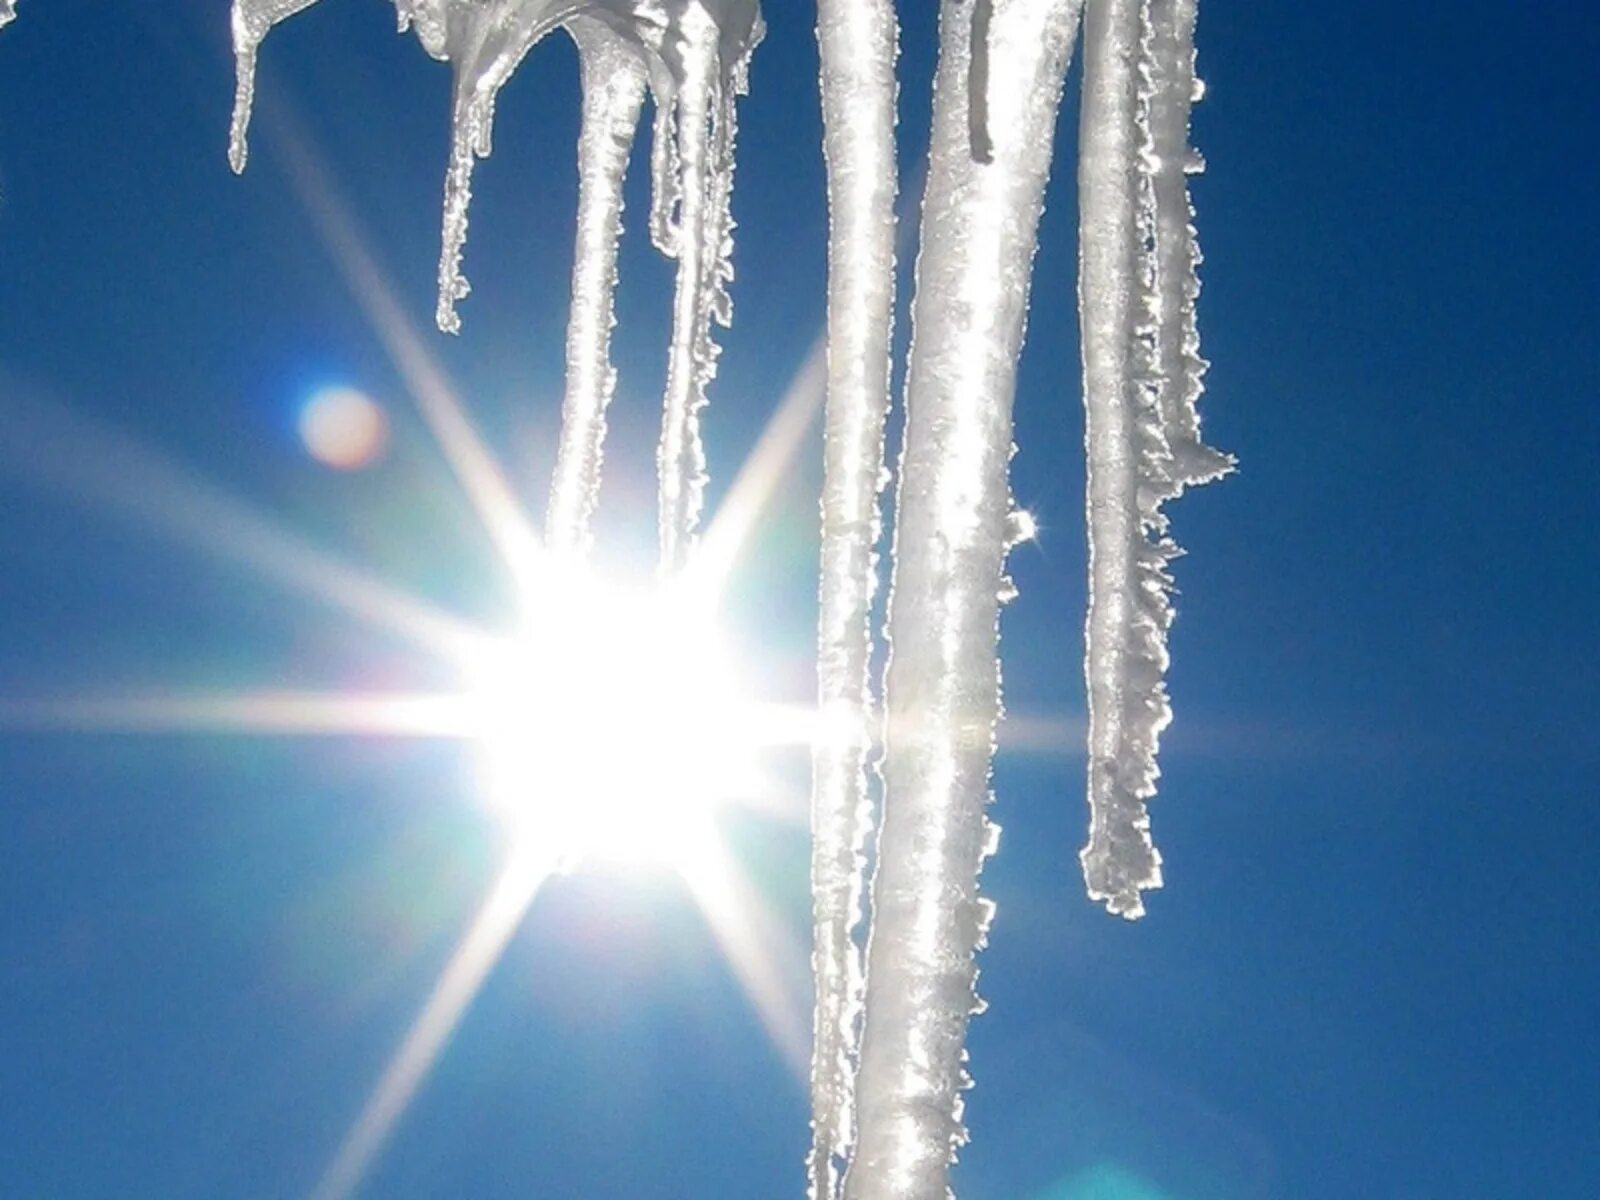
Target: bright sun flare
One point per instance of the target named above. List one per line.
(612, 725)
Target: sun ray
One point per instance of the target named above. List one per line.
(761, 474)
(766, 958)
(435, 395)
(51, 446)
(480, 949)
(265, 713)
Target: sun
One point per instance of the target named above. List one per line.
(612, 725)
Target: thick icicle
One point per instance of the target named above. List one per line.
(252, 21)
(1141, 379)
(613, 94)
(952, 529)
(858, 43)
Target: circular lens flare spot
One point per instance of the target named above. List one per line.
(344, 428)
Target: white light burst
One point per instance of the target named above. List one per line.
(612, 723)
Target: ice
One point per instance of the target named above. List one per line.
(613, 94)
(8, 12)
(858, 40)
(1141, 380)
(1168, 90)
(953, 526)
(252, 21)
(707, 48)
(889, 1062)
(695, 54)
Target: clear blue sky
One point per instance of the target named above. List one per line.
(1373, 972)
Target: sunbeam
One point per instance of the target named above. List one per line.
(261, 712)
(765, 957)
(762, 473)
(436, 397)
(463, 975)
(47, 445)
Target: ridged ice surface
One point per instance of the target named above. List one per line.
(954, 525)
(1142, 378)
(888, 1070)
(613, 94)
(857, 40)
(695, 56)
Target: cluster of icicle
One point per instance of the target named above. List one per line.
(889, 1066)
(693, 57)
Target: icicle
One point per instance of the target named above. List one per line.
(8, 12)
(485, 41)
(858, 43)
(1141, 379)
(1168, 90)
(666, 182)
(952, 526)
(707, 82)
(431, 20)
(252, 21)
(681, 458)
(613, 94)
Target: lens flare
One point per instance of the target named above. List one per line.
(344, 428)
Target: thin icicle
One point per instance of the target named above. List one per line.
(666, 181)
(252, 21)
(953, 524)
(858, 43)
(710, 63)
(613, 94)
(1141, 379)
(484, 41)
(1168, 88)
(681, 459)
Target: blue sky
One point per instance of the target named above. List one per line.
(1373, 970)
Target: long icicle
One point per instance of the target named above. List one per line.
(1141, 380)
(858, 44)
(953, 523)
(703, 121)
(681, 456)
(613, 94)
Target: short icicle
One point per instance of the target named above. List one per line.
(858, 43)
(252, 21)
(484, 43)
